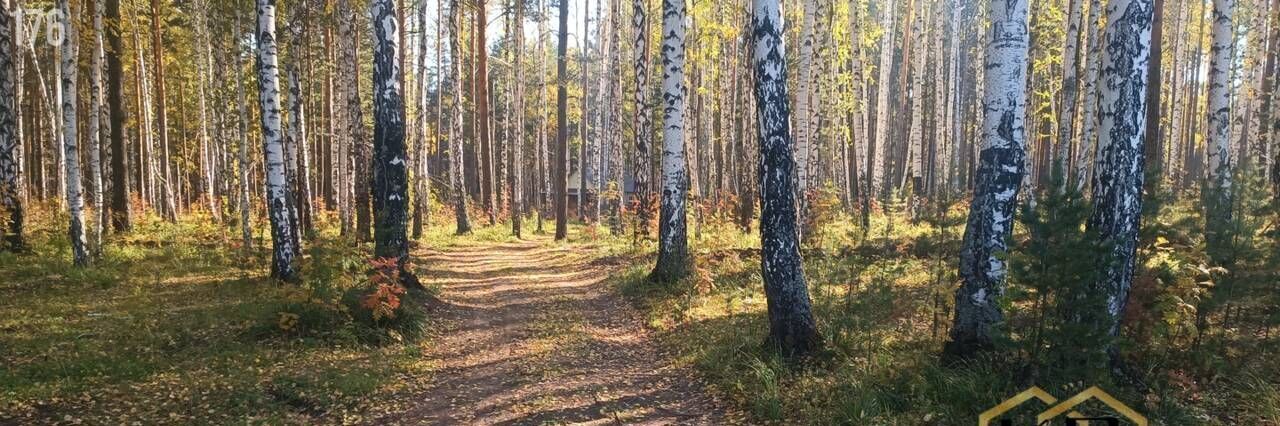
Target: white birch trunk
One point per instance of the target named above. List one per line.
(803, 95)
(875, 167)
(1219, 103)
(277, 178)
(644, 125)
(673, 254)
(1118, 178)
(1068, 94)
(94, 140)
(11, 200)
(70, 147)
(1087, 154)
(1002, 165)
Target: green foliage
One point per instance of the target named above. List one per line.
(1055, 306)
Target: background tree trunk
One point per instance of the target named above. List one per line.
(562, 128)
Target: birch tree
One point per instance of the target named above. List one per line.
(644, 124)
(1218, 137)
(673, 242)
(70, 148)
(804, 89)
(791, 325)
(1086, 154)
(1118, 175)
(1070, 80)
(245, 231)
(876, 163)
(390, 170)
(517, 145)
(456, 164)
(1002, 164)
(278, 198)
(10, 136)
(94, 139)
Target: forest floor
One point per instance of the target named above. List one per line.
(532, 334)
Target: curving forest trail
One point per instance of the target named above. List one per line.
(533, 335)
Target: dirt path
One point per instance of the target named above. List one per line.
(535, 337)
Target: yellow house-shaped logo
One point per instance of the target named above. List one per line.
(1058, 408)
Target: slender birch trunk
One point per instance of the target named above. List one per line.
(390, 170)
(94, 140)
(10, 134)
(876, 164)
(1002, 165)
(673, 242)
(70, 148)
(246, 233)
(1087, 154)
(644, 125)
(804, 89)
(456, 164)
(283, 248)
(517, 145)
(1219, 104)
(1068, 95)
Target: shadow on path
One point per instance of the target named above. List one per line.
(534, 336)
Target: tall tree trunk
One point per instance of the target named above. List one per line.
(1269, 114)
(1069, 93)
(94, 139)
(120, 218)
(456, 163)
(246, 232)
(877, 161)
(1002, 164)
(349, 68)
(390, 170)
(421, 191)
(278, 198)
(803, 131)
(791, 325)
(1118, 177)
(1219, 103)
(169, 206)
(70, 147)
(1153, 145)
(204, 66)
(10, 133)
(673, 241)
(643, 124)
(487, 191)
(1087, 155)
(562, 128)
(296, 151)
(517, 145)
